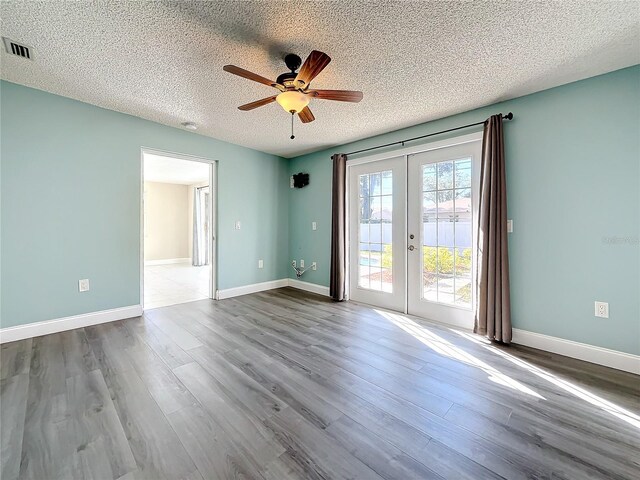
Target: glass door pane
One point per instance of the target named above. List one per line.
(446, 226)
(374, 231)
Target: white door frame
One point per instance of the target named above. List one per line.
(404, 151)
(213, 214)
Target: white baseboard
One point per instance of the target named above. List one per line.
(166, 261)
(37, 329)
(253, 288)
(261, 287)
(589, 353)
(309, 287)
(581, 351)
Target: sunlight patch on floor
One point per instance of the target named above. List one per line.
(623, 414)
(446, 348)
(579, 392)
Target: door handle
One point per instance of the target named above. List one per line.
(412, 248)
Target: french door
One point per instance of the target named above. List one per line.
(377, 218)
(442, 226)
(412, 232)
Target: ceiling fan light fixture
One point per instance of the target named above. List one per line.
(293, 101)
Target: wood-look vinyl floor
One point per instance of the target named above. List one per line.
(286, 384)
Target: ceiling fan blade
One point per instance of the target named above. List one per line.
(241, 72)
(257, 103)
(312, 66)
(306, 116)
(338, 95)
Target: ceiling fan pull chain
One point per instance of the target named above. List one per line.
(292, 135)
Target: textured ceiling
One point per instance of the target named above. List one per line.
(414, 61)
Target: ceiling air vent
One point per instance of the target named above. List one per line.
(15, 48)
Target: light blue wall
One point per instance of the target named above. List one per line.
(573, 172)
(70, 178)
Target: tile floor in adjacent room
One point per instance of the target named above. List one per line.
(175, 283)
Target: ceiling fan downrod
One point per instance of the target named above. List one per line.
(292, 114)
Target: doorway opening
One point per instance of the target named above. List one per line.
(178, 229)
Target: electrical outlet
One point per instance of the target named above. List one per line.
(509, 226)
(237, 225)
(314, 226)
(291, 185)
(314, 266)
(301, 263)
(294, 264)
(83, 285)
(602, 309)
(260, 264)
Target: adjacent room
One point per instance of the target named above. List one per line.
(178, 240)
(357, 239)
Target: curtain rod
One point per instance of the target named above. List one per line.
(508, 116)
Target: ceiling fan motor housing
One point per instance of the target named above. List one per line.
(287, 79)
(293, 61)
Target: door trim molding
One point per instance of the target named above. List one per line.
(213, 213)
(419, 148)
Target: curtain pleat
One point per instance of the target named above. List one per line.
(493, 303)
(338, 227)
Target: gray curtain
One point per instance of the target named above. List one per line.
(200, 231)
(338, 227)
(493, 305)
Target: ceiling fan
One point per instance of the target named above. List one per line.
(295, 93)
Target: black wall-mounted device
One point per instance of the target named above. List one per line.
(300, 180)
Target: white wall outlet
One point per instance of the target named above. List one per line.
(237, 225)
(260, 264)
(294, 264)
(301, 263)
(314, 266)
(509, 226)
(314, 226)
(602, 309)
(291, 184)
(83, 285)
